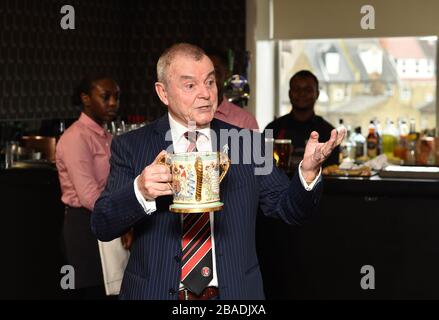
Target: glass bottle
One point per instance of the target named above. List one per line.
(359, 142)
(412, 138)
(372, 141)
(390, 139)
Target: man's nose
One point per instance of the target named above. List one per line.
(113, 102)
(301, 92)
(205, 92)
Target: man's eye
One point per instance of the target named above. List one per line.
(190, 86)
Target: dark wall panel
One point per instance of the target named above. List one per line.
(40, 63)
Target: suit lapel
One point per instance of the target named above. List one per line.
(163, 135)
(219, 215)
(163, 130)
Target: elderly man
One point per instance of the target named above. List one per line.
(205, 255)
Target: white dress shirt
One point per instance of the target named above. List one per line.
(180, 144)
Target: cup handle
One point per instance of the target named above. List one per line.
(199, 183)
(163, 160)
(224, 163)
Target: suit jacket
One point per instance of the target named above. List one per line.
(154, 267)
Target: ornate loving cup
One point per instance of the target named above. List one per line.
(196, 179)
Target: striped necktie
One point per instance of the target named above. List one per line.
(191, 137)
(197, 265)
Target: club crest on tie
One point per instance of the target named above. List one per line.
(205, 272)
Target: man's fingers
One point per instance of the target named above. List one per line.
(158, 169)
(317, 153)
(333, 137)
(161, 189)
(127, 239)
(340, 135)
(154, 190)
(161, 177)
(154, 180)
(314, 136)
(329, 145)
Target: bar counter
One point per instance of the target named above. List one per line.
(377, 186)
(390, 224)
(387, 223)
(32, 217)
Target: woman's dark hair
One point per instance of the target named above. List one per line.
(85, 86)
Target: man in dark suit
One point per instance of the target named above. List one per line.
(138, 194)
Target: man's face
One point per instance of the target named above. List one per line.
(303, 93)
(102, 103)
(190, 90)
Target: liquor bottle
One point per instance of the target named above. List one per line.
(350, 147)
(379, 134)
(412, 138)
(390, 139)
(372, 141)
(359, 142)
(400, 150)
(344, 153)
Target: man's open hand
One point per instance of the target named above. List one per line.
(317, 152)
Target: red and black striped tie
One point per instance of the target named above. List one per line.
(197, 265)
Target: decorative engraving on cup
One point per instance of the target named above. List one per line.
(199, 171)
(196, 179)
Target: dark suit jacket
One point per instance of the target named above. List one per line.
(153, 271)
(287, 127)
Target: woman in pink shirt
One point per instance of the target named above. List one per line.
(227, 111)
(82, 160)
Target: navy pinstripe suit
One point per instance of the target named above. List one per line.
(153, 271)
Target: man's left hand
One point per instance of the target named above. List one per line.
(317, 152)
(127, 239)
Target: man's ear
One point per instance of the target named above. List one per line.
(290, 95)
(85, 98)
(161, 92)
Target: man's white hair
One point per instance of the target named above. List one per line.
(184, 49)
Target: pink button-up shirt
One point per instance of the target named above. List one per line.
(82, 160)
(235, 115)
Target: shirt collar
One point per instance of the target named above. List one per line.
(311, 119)
(178, 130)
(91, 124)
